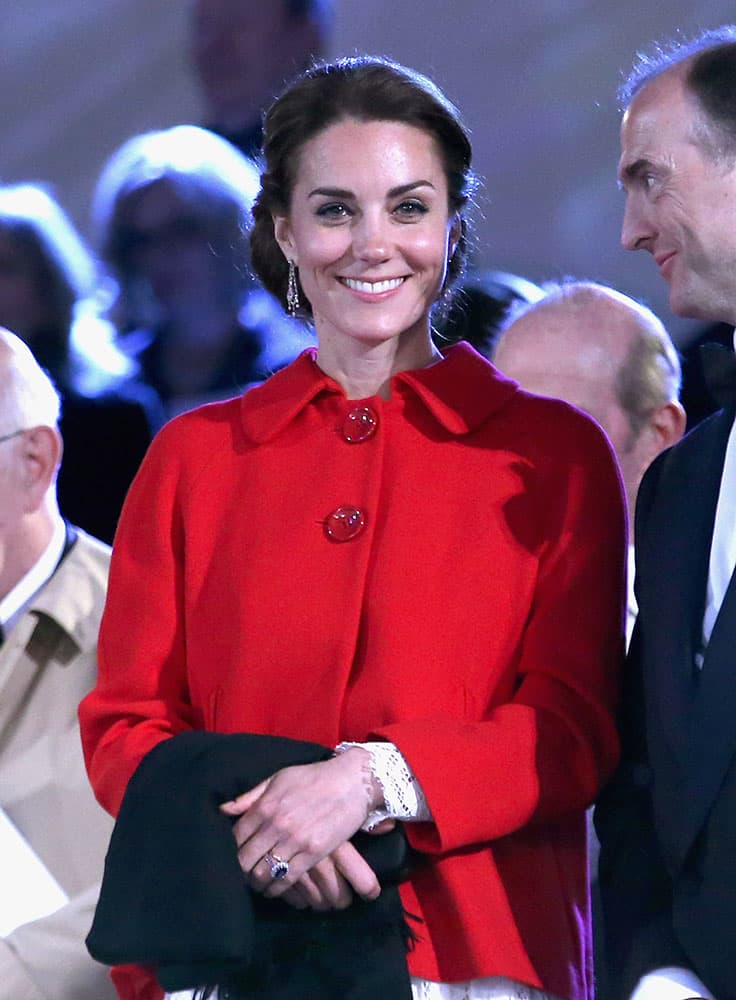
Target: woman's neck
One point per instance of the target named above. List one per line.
(366, 369)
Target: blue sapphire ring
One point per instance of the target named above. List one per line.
(279, 868)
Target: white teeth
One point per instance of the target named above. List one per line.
(373, 287)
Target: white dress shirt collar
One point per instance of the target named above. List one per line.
(632, 608)
(723, 543)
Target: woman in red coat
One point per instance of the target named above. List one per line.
(388, 550)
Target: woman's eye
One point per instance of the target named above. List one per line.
(333, 210)
(411, 207)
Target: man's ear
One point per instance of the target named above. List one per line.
(668, 423)
(41, 450)
(284, 238)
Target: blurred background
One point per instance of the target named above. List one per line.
(536, 83)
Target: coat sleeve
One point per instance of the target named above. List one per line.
(144, 604)
(635, 887)
(547, 749)
(48, 957)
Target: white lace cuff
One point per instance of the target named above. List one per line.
(402, 794)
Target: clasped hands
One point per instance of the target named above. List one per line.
(306, 815)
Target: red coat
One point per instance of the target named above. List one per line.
(475, 620)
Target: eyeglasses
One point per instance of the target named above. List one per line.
(15, 434)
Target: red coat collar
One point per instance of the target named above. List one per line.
(461, 392)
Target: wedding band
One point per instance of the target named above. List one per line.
(279, 867)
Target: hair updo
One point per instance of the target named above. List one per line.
(366, 89)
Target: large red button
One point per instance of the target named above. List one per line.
(359, 424)
(344, 523)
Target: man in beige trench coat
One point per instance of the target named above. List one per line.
(52, 587)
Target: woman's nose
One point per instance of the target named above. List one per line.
(370, 238)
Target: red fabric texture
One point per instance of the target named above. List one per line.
(476, 621)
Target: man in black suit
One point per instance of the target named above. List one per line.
(667, 823)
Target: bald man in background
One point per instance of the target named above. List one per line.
(609, 356)
(612, 357)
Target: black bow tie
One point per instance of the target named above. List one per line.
(719, 370)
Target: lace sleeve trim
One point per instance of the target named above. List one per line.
(402, 794)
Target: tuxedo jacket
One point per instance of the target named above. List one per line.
(667, 822)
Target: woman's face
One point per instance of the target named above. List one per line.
(369, 229)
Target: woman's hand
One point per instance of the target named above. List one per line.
(305, 815)
(325, 887)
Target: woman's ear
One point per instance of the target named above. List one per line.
(282, 232)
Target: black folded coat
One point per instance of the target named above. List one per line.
(174, 897)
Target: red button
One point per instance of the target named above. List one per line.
(360, 424)
(344, 523)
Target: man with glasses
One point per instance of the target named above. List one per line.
(53, 579)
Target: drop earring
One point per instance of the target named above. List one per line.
(446, 290)
(292, 291)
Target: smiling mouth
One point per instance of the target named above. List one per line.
(372, 287)
(663, 261)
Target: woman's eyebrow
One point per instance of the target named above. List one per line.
(395, 192)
